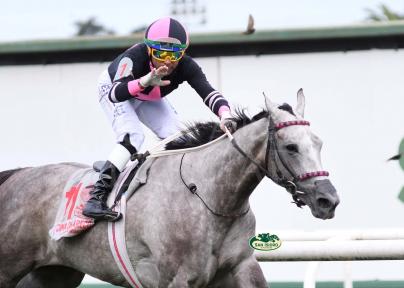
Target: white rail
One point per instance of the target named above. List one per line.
(368, 234)
(346, 245)
(336, 245)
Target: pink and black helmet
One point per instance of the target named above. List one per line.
(166, 34)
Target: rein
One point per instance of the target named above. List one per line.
(272, 152)
(193, 189)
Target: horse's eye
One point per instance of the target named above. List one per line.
(292, 148)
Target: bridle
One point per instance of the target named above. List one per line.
(272, 153)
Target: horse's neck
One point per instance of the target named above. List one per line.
(233, 176)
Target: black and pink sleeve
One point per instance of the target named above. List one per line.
(211, 97)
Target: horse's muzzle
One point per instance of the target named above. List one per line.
(326, 199)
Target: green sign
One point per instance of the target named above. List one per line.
(265, 242)
(401, 195)
(401, 152)
(401, 161)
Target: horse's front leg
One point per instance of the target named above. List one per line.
(248, 273)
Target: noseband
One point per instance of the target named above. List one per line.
(272, 152)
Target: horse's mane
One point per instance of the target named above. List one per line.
(203, 132)
(4, 175)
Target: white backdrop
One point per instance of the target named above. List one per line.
(354, 101)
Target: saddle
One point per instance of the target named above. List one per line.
(70, 220)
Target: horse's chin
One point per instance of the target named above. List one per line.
(319, 212)
(323, 215)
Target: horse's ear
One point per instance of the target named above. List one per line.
(300, 103)
(269, 104)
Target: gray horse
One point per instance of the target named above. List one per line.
(189, 226)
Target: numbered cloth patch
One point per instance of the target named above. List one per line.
(125, 67)
(70, 220)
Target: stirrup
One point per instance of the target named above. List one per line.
(107, 217)
(110, 218)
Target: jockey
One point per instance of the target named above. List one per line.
(132, 91)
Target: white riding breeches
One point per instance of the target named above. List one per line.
(126, 117)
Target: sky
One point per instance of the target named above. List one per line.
(52, 19)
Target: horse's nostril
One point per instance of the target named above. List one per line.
(324, 203)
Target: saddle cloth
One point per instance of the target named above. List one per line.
(70, 220)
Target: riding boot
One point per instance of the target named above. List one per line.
(96, 207)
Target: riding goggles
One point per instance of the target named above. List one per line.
(162, 56)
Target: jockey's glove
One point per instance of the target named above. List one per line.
(153, 78)
(226, 120)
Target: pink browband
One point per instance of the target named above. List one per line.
(308, 175)
(291, 123)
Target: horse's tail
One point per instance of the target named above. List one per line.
(4, 175)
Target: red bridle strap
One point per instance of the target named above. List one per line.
(308, 175)
(291, 123)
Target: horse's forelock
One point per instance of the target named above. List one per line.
(286, 107)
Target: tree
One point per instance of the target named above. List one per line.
(385, 14)
(91, 27)
(139, 29)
